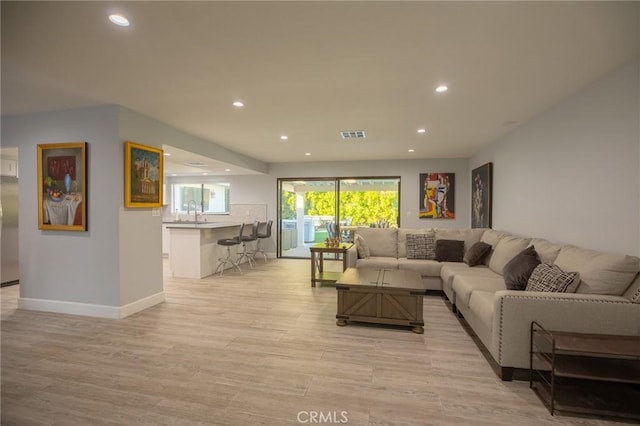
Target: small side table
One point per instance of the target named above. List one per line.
(586, 373)
(317, 262)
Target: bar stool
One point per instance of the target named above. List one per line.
(247, 239)
(228, 260)
(261, 236)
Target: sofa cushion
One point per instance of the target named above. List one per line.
(518, 270)
(451, 269)
(449, 250)
(633, 292)
(547, 251)
(600, 272)
(362, 247)
(505, 250)
(551, 278)
(476, 254)
(464, 285)
(402, 238)
(378, 262)
(481, 303)
(491, 237)
(426, 268)
(468, 235)
(421, 246)
(382, 242)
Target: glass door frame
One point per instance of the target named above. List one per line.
(280, 182)
(337, 191)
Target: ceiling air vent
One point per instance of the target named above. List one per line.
(196, 164)
(353, 134)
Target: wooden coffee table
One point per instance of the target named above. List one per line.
(381, 296)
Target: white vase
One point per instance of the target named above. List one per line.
(67, 182)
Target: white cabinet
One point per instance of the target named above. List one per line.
(8, 167)
(166, 240)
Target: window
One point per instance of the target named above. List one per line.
(208, 197)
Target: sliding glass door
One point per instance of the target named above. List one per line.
(312, 210)
(307, 209)
(372, 202)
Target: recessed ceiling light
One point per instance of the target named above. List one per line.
(204, 174)
(284, 137)
(442, 88)
(167, 154)
(227, 170)
(307, 153)
(422, 130)
(412, 150)
(119, 20)
(174, 174)
(238, 104)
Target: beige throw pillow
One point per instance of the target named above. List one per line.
(506, 249)
(361, 246)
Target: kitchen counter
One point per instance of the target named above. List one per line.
(199, 225)
(194, 249)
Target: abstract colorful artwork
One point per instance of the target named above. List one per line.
(437, 196)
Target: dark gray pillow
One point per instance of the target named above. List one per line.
(449, 250)
(476, 254)
(518, 270)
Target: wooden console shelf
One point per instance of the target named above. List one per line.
(586, 373)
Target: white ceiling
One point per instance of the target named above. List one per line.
(312, 69)
(179, 162)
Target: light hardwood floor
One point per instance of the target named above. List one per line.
(260, 348)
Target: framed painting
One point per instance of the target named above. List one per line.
(481, 196)
(62, 186)
(143, 168)
(437, 196)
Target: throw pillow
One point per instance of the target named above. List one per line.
(518, 270)
(361, 247)
(550, 278)
(449, 250)
(476, 254)
(416, 246)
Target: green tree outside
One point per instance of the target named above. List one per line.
(288, 205)
(363, 207)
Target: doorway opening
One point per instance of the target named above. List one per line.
(10, 268)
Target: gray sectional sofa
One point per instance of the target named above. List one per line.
(606, 300)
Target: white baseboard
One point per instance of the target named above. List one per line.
(142, 304)
(88, 309)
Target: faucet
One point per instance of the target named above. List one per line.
(195, 210)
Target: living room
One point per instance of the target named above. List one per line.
(570, 173)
